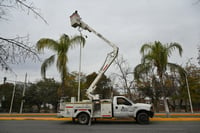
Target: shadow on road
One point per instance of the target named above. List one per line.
(100, 122)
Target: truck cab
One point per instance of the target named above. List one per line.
(125, 108)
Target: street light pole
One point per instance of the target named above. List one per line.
(79, 74)
(188, 89)
(23, 94)
(13, 94)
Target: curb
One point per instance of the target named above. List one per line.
(36, 118)
(54, 114)
(175, 119)
(52, 117)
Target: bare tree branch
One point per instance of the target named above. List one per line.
(16, 50)
(31, 8)
(124, 77)
(19, 4)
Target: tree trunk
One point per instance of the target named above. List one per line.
(157, 104)
(166, 106)
(164, 97)
(180, 105)
(129, 94)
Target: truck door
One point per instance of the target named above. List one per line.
(123, 108)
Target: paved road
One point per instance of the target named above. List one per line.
(34, 126)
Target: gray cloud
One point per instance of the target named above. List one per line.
(129, 24)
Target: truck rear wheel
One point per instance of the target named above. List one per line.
(83, 118)
(142, 118)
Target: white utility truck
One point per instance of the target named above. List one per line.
(117, 107)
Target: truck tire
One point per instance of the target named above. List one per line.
(142, 118)
(83, 118)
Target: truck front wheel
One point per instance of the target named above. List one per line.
(83, 118)
(142, 118)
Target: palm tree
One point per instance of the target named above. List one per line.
(60, 48)
(155, 58)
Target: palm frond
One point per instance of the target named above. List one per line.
(60, 48)
(64, 40)
(145, 48)
(45, 65)
(46, 43)
(173, 46)
(141, 69)
(175, 67)
(77, 40)
(61, 65)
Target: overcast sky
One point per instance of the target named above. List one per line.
(128, 23)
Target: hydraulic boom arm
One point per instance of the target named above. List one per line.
(77, 22)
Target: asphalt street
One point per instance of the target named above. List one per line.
(34, 126)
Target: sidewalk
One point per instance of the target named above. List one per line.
(52, 116)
